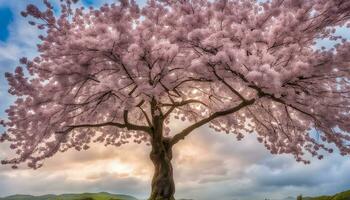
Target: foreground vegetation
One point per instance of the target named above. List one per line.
(339, 196)
(107, 196)
(83, 196)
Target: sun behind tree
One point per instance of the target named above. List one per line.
(120, 73)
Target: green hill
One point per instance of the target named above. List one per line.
(339, 196)
(84, 196)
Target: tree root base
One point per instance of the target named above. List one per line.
(162, 198)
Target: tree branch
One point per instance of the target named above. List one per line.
(135, 127)
(226, 84)
(188, 130)
(179, 104)
(116, 124)
(72, 127)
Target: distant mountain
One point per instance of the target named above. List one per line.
(83, 196)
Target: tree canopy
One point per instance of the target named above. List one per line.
(116, 73)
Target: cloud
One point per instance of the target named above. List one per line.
(118, 170)
(207, 165)
(21, 42)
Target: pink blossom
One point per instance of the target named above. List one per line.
(120, 73)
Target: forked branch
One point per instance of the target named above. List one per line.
(188, 130)
(115, 124)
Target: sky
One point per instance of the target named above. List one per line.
(207, 165)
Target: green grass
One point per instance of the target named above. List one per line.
(339, 196)
(83, 196)
(107, 196)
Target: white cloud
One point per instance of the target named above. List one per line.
(207, 165)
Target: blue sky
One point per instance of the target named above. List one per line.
(88, 2)
(207, 165)
(6, 17)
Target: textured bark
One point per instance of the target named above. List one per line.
(163, 187)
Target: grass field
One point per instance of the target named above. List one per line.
(107, 196)
(83, 196)
(339, 196)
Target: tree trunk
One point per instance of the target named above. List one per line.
(163, 187)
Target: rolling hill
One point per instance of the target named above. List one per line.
(339, 196)
(108, 196)
(83, 196)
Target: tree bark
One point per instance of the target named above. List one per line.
(163, 187)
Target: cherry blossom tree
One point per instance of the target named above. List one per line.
(122, 73)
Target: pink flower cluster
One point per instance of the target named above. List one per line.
(109, 74)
